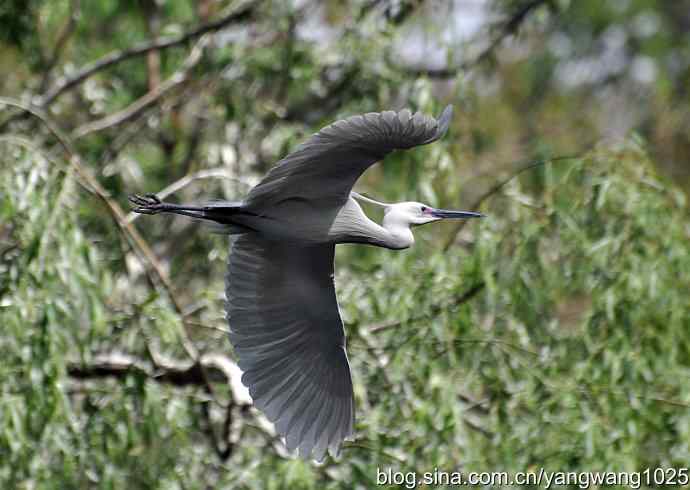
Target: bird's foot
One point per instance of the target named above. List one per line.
(147, 204)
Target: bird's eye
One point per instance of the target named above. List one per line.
(424, 208)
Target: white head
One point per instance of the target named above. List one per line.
(400, 217)
(416, 213)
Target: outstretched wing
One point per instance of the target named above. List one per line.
(329, 163)
(289, 340)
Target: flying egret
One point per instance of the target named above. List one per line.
(281, 304)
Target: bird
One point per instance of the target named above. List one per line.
(284, 322)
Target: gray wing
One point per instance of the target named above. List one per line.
(289, 340)
(329, 163)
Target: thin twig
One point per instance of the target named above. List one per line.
(60, 43)
(193, 143)
(501, 183)
(490, 341)
(435, 309)
(475, 405)
(508, 28)
(486, 433)
(588, 390)
(511, 26)
(122, 139)
(379, 356)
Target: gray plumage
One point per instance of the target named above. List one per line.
(285, 326)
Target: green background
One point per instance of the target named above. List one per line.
(553, 334)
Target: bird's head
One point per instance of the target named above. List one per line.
(416, 213)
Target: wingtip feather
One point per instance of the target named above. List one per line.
(444, 120)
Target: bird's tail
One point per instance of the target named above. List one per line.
(226, 229)
(219, 217)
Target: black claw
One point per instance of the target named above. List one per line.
(148, 204)
(153, 198)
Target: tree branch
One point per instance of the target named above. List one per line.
(243, 13)
(507, 28)
(138, 106)
(60, 42)
(223, 453)
(435, 309)
(511, 26)
(166, 371)
(179, 374)
(130, 233)
(499, 185)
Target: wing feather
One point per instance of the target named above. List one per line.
(321, 429)
(329, 163)
(289, 340)
(306, 434)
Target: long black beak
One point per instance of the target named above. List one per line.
(445, 213)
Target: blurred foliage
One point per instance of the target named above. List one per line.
(552, 334)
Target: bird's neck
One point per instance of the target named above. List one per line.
(398, 235)
(392, 236)
(351, 225)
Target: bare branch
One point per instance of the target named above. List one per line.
(507, 28)
(123, 138)
(223, 449)
(214, 367)
(193, 143)
(120, 366)
(166, 371)
(139, 105)
(243, 13)
(510, 27)
(151, 10)
(62, 38)
(316, 106)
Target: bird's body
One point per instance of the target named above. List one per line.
(285, 326)
(310, 223)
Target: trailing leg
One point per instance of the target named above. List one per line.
(221, 216)
(150, 204)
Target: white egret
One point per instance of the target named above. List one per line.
(281, 304)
